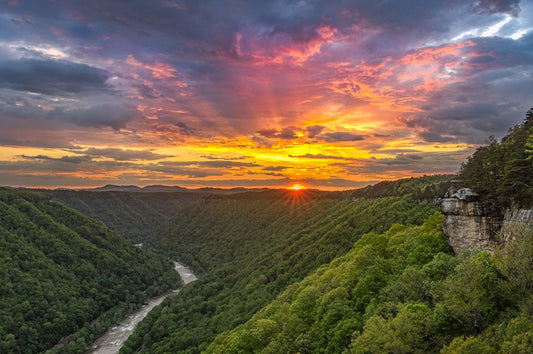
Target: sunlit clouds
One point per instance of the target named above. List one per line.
(329, 94)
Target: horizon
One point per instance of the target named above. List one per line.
(295, 186)
(332, 95)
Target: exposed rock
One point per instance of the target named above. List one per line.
(466, 194)
(514, 220)
(455, 206)
(468, 224)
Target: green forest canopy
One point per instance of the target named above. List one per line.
(502, 172)
(64, 274)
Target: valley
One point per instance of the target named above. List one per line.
(279, 270)
(114, 338)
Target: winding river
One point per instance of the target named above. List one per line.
(114, 338)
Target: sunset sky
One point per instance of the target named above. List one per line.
(329, 94)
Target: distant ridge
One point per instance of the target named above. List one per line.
(163, 188)
(116, 188)
(133, 188)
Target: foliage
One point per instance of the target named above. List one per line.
(426, 188)
(64, 274)
(135, 216)
(398, 292)
(501, 171)
(250, 247)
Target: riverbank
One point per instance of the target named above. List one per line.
(114, 338)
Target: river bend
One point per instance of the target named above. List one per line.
(114, 338)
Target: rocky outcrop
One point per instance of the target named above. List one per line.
(514, 221)
(468, 224)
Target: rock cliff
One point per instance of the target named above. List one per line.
(514, 220)
(469, 225)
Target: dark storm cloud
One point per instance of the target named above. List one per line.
(52, 77)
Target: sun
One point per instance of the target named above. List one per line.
(296, 187)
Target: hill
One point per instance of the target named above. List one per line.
(133, 215)
(426, 188)
(400, 292)
(250, 247)
(65, 277)
(501, 172)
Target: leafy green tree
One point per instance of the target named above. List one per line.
(501, 172)
(467, 345)
(473, 294)
(515, 258)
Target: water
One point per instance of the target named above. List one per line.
(114, 338)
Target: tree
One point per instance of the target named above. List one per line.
(472, 294)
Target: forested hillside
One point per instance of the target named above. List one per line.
(426, 188)
(250, 247)
(401, 292)
(135, 216)
(502, 172)
(64, 274)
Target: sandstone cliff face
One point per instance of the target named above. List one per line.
(469, 226)
(514, 220)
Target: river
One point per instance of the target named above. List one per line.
(114, 338)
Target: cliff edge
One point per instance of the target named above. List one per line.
(468, 224)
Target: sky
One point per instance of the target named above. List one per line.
(331, 94)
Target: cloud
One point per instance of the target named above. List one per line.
(498, 6)
(109, 114)
(335, 137)
(319, 156)
(184, 129)
(98, 111)
(274, 168)
(118, 154)
(358, 75)
(171, 168)
(67, 159)
(406, 164)
(58, 78)
(212, 157)
(223, 164)
(314, 130)
(146, 91)
(268, 133)
(287, 133)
